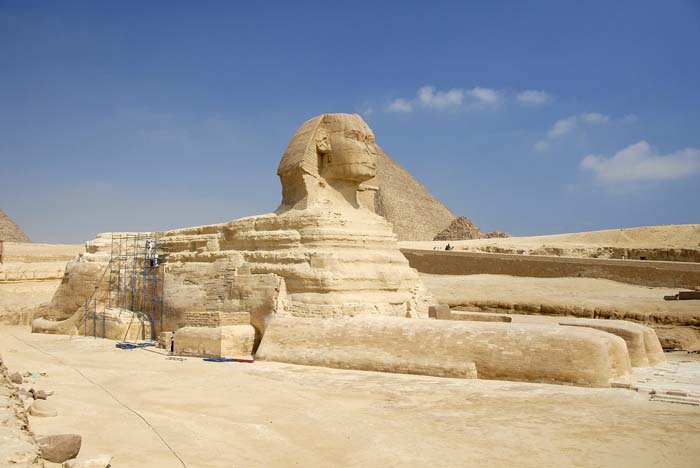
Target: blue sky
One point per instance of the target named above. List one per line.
(529, 117)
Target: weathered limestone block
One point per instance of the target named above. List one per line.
(642, 343)
(165, 340)
(620, 363)
(261, 295)
(230, 341)
(502, 351)
(196, 284)
(218, 293)
(652, 343)
(439, 311)
(363, 343)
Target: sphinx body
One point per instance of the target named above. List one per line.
(321, 281)
(321, 254)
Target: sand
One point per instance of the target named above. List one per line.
(275, 415)
(680, 242)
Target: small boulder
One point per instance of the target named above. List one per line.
(43, 409)
(16, 378)
(59, 448)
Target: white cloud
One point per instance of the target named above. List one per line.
(563, 126)
(594, 118)
(428, 97)
(568, 124)
(486, 96)
(639, 163)
(400, 105)
(533, 96)
(630, 118)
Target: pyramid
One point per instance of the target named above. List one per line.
(415, 214)
(459, 229)
(463, 228)
(9, 231)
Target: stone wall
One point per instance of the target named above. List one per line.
(29, 275)
(641, 272)
(32, 262)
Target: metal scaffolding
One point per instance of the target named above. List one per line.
(135, 285)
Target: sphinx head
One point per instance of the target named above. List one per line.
(347, 149)
(334, 150)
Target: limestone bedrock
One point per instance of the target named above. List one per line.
(325, 254)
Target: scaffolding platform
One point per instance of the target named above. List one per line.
(134, 279)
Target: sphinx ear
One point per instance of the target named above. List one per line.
(323, 144)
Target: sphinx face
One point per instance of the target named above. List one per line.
(353, 154)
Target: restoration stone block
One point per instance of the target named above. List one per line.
(229, 341)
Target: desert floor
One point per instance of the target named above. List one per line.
(676, 322)
(131, 403)
(567, 293)
(582, 244)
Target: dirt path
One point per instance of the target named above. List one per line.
(273, 415)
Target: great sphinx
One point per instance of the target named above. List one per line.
(321, 281)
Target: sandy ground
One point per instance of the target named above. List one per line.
(567, 293)
(276, 415)
(676, 322)
(582, 244)
(17, 297)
